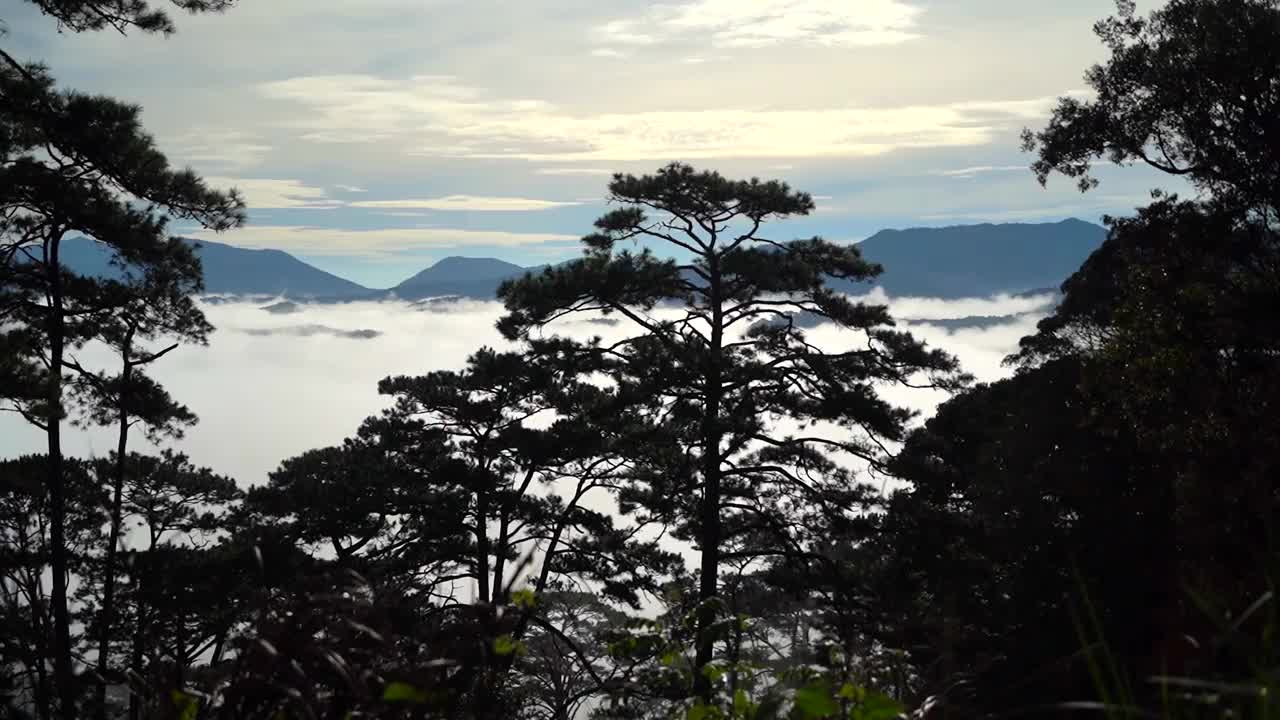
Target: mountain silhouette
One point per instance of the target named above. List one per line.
(230, 270)
(943, 262)
(460, 276)
(978, 260)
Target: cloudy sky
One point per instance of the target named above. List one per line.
(373, 137)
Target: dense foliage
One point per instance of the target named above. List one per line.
(508, 539)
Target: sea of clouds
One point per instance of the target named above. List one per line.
(271, 385)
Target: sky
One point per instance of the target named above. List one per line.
(374, 137)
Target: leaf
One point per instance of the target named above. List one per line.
(702, 712)
(815, 701)
(505, 645)
(878, 706)
(187, 705)
(403, 692)
(741, 704)
(525, 599)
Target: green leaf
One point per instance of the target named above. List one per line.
(524, 599)
(877, 706)
(187, 705)
(815, 701)
(403, 692)
(741, 704)
(702, 712)
(505, 645)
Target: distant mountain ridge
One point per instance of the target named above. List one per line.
(461, 276)
(979, 260)
(945, 262)
(230, 270)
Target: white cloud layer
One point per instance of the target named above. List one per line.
(219, 149)
(972, 172)
(438, 116)
(270, 193)
(337, 241)
(468, 203)
(267, 389)
(763, 23)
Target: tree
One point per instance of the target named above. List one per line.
(503, 471)
(717, 362)
(157, 305)
(474, 483)
(1016, 524)
(121, 15)
(26, 618)
(71, 162)
(567, 662)
(1190, 91)
(1165, 317)
(177, 505)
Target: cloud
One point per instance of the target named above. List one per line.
(608, 53)
(315, 329)
(624, 32)
(433, 116)
(376, 242)
(762, 23)
(1097, 205)
(255, 386)
(915, 309)
(350, 188)
(215, 149)
(573, 171)
(467, 202)
(270, 193)
(972, 172)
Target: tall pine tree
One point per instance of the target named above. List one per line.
(72, 163)
(746, 418)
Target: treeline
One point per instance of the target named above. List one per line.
(509, 540)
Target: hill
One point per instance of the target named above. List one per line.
(978, 260)
(458, 276)
(945, 262)
(232, 270)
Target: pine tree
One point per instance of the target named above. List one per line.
(745, 416)
(76, 163)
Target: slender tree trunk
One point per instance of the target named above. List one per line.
(504, 526)
(40, 651)
(113, 538)
(484, 685)
(482, 537)
(63, 668)
(140, 632)
(710, 512)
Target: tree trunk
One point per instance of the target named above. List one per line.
(140, 632)
(40, 651)
(63, 669)
(710, 536)
(113, 538)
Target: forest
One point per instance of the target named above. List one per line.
(1090, 536)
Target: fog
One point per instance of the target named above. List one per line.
(271, 385)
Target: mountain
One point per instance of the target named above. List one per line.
(945, 262)
(463, 276)
(978, 260)
(232, 270)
